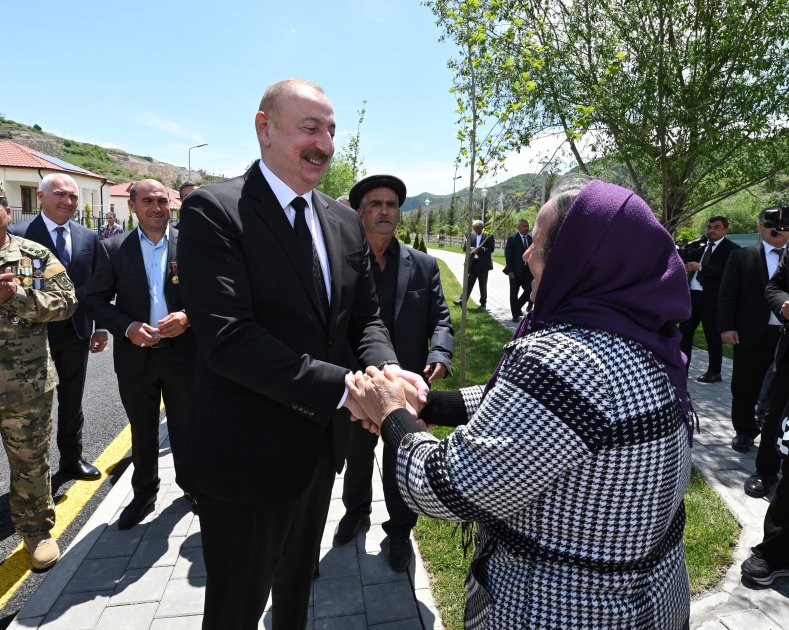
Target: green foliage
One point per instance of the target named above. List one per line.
(88, 216)
(689, 97)
(346, 165)
(130, 222)
(406, 238)
(37, 127)
(417, 242)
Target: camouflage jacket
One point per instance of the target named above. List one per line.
(44, 293)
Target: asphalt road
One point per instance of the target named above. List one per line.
(104, 420)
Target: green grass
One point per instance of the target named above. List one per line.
(700, 342)
(710, 532)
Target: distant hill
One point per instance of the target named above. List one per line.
(114, 164)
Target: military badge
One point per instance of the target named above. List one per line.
(27, 281)
(174, 270)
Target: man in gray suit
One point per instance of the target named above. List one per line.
(417, 317)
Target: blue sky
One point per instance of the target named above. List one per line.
(155, 78)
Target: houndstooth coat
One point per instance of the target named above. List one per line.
(574, 468)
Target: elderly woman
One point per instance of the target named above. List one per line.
(574, 460)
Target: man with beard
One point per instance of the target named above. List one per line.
(276, 280)
(417, 317)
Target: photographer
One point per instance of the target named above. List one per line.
(704, 276)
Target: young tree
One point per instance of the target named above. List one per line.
(346, 165)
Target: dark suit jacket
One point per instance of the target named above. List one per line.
(513, 254)
(713, 270)
(741, 302)
(120, 275)
(485, 250)
(777, 292)
(84, 254)
(421, 313)
(269, 369)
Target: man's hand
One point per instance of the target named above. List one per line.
(417, 393)
(99, 341)
(143, 335)
(785, 309)
(351, 404)
(435, 371)
(732, 337)
(511, 274)
(379, 393)
(7, 286)
(173, 324)
(692, 266)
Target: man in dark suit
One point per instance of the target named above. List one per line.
(69, 340)
(482, 246)
(704, 276)
(746, 322)
(417, 318)
(276, 280)
(770, 558)
(517, 270)
(135, 294)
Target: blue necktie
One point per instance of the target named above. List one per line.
(60, 246)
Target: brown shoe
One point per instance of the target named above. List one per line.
(43, 550)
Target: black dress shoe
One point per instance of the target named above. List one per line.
(457, 302)
(741, 443)
(348, 526)
(756, 485)
(709, 377)
(400, 553)
(516, 318)
(81, 470)
(137, 510)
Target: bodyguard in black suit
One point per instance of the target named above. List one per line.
(746, 322)
(135, 294)
(517, 270)
(482, 246)
(276, 280)
(704, 277)
(770, 558)
(417, 318)
(69, 340)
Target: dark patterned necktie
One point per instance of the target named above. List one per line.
(309, 253)
(60, 246)
(704, 260)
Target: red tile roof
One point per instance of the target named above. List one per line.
(13, 155)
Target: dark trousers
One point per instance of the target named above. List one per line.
(357, 488)
(521, 282)
(775, 545)
(749, 368)
(70, 355)
(476, 272)
(251, 550)
(768, 461)
(164, 377)
(704, 312)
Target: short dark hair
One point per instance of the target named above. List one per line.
(186, 185)
(133, 191)
(4, 202)
(721, 218)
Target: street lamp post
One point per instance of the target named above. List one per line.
(197, 146)
(484, 196)
(427, 218)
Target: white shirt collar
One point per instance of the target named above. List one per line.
(52, 226)
(281, 190)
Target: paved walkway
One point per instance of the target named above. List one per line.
(152, 577)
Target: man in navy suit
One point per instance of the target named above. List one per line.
(70, 340)
(745, 322)
(417, 318)
(704, 277)
(517, 270)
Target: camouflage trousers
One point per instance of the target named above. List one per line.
(26, 430)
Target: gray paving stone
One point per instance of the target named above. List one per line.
(182, 597)
(751, 619)
(351, 622)
(76, 611)
(337, 597)
(265, 621)
(114, 543)
(190, 564)
(193, 537)
(134, 617)
(168, 524)
(138, 586)
(192, 622)
(389, 602)
(404, 624)
(375, 569)
(712, 625)
(372, 540)
(156, 552)
(339, 561)
(98, 574)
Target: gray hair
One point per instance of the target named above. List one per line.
(477, 222)
(48, 182)
(563, 195)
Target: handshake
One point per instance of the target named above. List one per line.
(374, 394)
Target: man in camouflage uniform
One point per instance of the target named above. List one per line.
(34, 289)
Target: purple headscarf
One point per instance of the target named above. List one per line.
(615, 268)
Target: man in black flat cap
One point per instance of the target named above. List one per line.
(417, 316)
